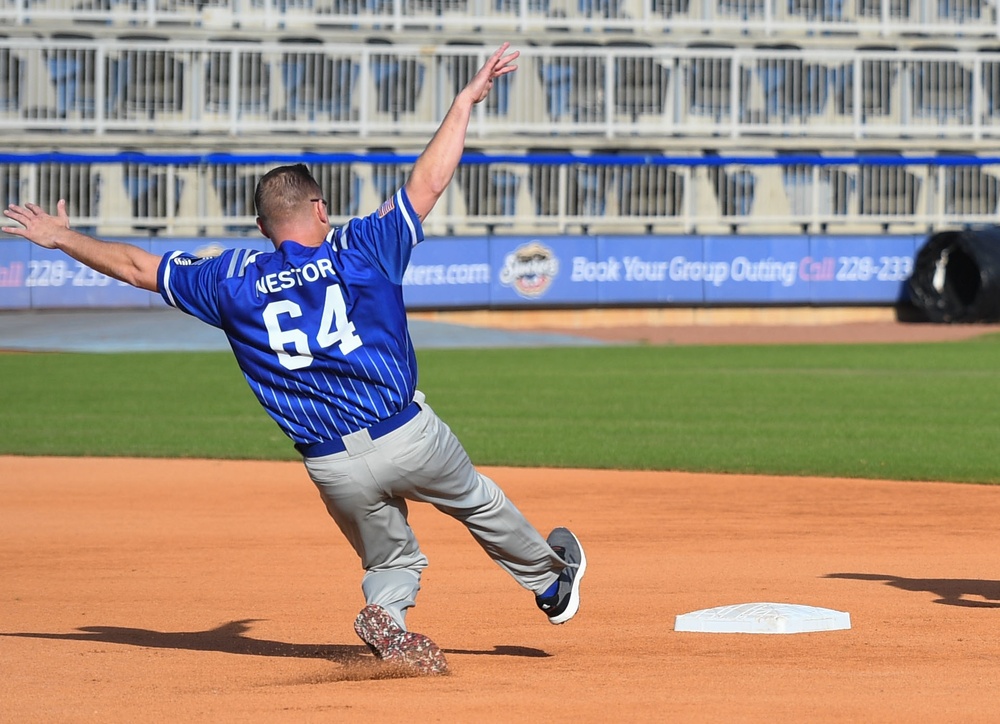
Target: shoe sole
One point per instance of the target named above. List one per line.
(390, 643)
(574, 595)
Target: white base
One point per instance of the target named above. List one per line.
(764, 618)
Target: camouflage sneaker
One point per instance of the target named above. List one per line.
(392, 644)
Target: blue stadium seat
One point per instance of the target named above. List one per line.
(316, 83)
(387, 178)
(149, 80)
(536, 7)
(640, 83)
(793, 89)
(745, 9)
(399, 81)
(588, 190)
(341, 187)
(438, 7)
(486, 190)
(960, 11)
(969, 191)
(146, 187)
(574, 84)
(235, 188)
(739, 189)
(600, 8)
(253, 79)
(834, 195)
(824, 10)
(77, 183)
(898, 9)
(887, 190)
(669, 8)
(10, 183)
(991, 84)
(557, 78)
(71, 71)
(648, 190)
(942, 89)
(709, 85)
(734, 188)
(877, 80)
(11, 78)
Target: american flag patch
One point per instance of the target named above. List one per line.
(386, 207)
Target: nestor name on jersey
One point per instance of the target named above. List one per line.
(288, 278)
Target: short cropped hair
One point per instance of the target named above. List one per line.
(283, 192)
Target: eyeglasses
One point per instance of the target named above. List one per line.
(322, 201)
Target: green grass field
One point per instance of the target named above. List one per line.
(908, 412)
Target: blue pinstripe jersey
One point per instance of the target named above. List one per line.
(319, 332)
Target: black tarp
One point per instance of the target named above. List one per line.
(956, 276)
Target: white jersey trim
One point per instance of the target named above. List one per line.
(232, 263)
(166, 278)
(248, 259)
(406, 217)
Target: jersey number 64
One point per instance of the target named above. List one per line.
(334, 328)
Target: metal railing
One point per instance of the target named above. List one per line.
(212, 194)
(336, 94)
(642, 17)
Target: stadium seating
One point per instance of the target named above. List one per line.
(11, 78)
(598, 77)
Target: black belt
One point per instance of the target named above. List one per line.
(379, 429)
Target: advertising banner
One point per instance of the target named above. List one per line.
(529, 270)
(649, 269)
(57, 281)
(755, 269)
(15, 257)
(448, 272)
(859, 269)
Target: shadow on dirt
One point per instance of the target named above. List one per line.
(950, 591)
(358, 663)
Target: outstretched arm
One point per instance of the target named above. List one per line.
(435, 167)
(124, 262)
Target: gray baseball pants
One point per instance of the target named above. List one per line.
(365, 490)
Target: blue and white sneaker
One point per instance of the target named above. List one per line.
(561, 602)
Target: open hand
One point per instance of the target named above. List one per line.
(38, 226)
(497, 65)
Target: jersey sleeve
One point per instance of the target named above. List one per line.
(386, 236)
(191, 284)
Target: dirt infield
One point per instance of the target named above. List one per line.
(220, 592)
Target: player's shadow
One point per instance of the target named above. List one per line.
(522, 651)
(231, 638)
(949, 591)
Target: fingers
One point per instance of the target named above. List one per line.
(499, 63)
(34, 222)
(20, 214)
(29, 213)
(499, 52)
(15, 213)
(62, 213)
(30, 209)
